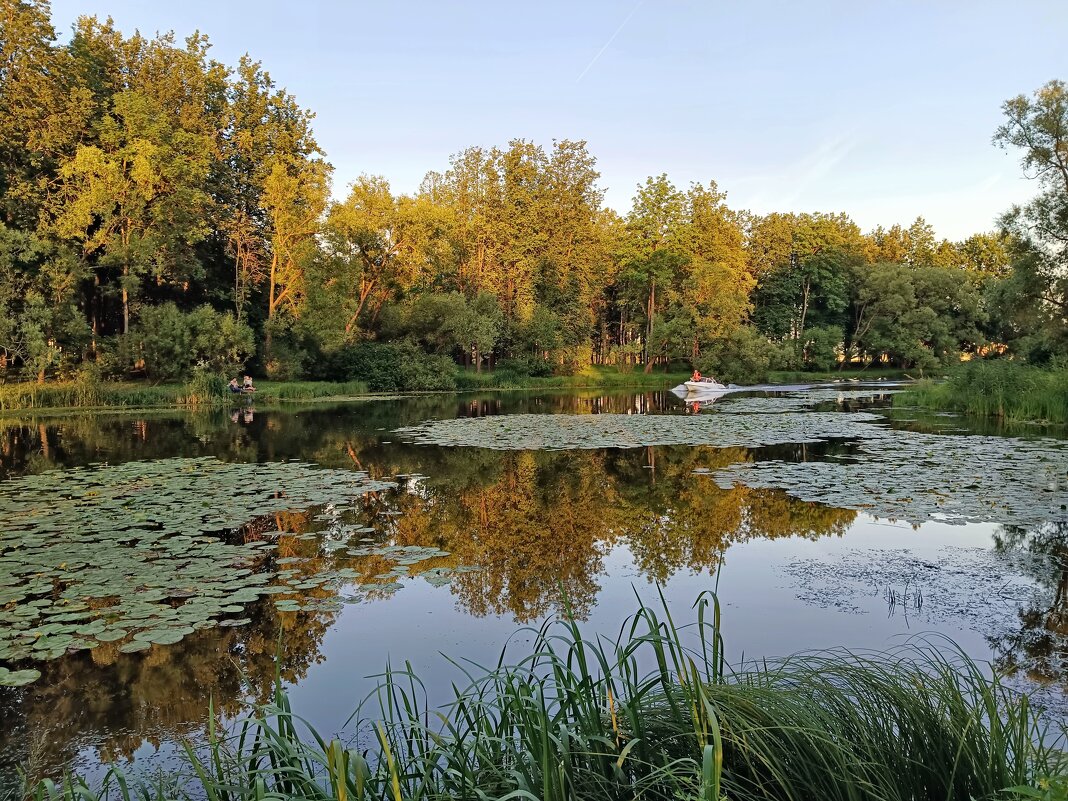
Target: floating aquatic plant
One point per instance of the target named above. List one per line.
(103, 553)
(796, 401)
(570, 432)
(914, 476)
(895, 473)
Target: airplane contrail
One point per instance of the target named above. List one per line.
(610, 40)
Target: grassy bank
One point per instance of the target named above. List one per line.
(575, 717)
(92, 394)
(109, 394)
(134, 395)
(1002, 389)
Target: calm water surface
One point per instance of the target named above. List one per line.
(598, 525)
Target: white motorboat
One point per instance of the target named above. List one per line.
(704, 386)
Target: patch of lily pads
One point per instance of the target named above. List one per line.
(18, 678)
(107, 553)
(973, 588)
(914, 476)
(595, 431)
(797, 401)
(890, 473)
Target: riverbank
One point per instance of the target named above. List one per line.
(1000, 389)
(569, 717)
(91, 395)
(134, 395)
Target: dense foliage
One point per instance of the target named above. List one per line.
(159, 210)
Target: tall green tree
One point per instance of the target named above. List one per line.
(1038, 287)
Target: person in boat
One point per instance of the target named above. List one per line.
(234, 386)
(702, 379)
(247, 385)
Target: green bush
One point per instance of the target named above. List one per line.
(742, 357)
(88, 385)
(530, 366)
(392, 367)
(207, 385)
(169, 341)
(821, 347)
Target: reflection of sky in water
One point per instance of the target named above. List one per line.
(761, 616)
(613, 519)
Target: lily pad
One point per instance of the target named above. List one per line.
(18, 678)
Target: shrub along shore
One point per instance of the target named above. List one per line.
(87, 391)
(576, 718)
(997, 388)
(211, 390)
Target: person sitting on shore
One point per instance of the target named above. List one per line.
(247, 386)
(234, 386)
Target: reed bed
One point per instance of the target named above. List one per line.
(999, 388)
(197, 392)
(652, 714)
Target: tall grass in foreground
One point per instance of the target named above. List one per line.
(998, 388)
(653, 714)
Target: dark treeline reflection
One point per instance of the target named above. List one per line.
(1040, 645)
(32, 444)
(536, 523)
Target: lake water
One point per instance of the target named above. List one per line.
(822, 518)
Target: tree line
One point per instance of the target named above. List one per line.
(161, 211)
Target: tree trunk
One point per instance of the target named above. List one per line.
(804, 310)
(125, 301)
(237, 284)
(649, 312)
(270, 307)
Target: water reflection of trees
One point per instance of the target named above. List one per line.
(29, 442)
(539, 524)
(116, 702)
(1040, 645)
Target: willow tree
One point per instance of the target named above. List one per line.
(263, 125)
(653, 254)
(43, 110)
(718, 281)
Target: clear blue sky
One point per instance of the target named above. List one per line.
(881, 109)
